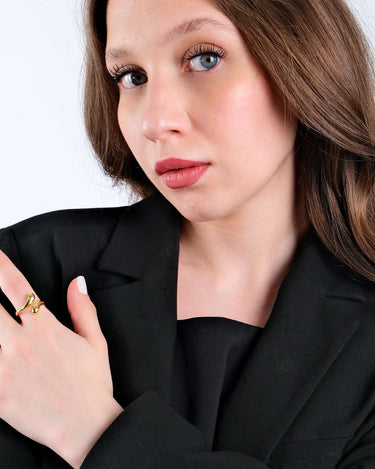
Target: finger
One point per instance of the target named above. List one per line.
(83, 312)
(14, 285)
(8, 326)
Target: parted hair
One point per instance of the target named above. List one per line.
(317, 59)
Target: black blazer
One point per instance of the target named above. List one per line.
(305, 398)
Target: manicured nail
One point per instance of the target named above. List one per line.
(81, 284)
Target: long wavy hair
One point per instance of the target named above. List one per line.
(318, 61)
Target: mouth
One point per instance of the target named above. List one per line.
(177, 173)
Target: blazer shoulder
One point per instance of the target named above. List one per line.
(78, 220)
(71, 223)
(81, 234)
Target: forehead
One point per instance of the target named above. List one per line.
(142, 21)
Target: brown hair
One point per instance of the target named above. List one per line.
(317, 58)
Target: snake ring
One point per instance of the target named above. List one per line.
(30, 302)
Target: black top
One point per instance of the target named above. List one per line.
(213, 351)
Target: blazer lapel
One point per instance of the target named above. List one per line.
(313, 319)
(138, 313)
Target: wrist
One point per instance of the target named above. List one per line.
(75, 444)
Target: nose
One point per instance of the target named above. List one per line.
(165, 113)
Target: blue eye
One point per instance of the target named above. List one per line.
(204, 62)
(132, 79)
(203, 57)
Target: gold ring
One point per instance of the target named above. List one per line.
(30, 302)
(36, 306)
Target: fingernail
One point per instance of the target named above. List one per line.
(81, 284)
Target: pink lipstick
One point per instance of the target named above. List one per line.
(177, 174)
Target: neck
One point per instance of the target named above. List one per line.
(234, 267)
(258, 244)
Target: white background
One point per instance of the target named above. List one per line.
(45, 156)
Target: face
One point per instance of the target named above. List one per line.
(196, 109)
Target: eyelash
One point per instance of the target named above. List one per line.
(205, 49)
(118, 72)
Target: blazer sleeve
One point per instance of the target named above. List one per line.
(149, 434)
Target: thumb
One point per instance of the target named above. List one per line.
(83, 312)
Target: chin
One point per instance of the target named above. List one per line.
(198, 205)
(201, 212)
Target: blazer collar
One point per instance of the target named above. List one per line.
(146, 237)
(137, 307)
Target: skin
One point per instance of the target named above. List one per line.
(241, 219)
(241, 228)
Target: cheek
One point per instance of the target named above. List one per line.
(228, 105)
(127, 124)
(233, 114)
(246, 111)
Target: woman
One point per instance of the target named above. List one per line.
(236, 302)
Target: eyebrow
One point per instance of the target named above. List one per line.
(188, 26)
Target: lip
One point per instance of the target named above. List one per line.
(177, 173)
(170, 164)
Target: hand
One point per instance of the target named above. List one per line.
(55, 384)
